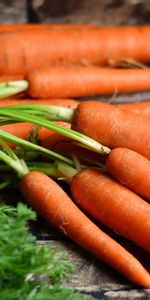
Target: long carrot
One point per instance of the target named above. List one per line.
(79, 81)
(53, 204)
(113, 127)
(114, 205)
(25, 50)
(131, 169)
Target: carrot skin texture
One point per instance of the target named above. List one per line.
(113, 127)
(113, 205)
(52, 203)
(84, 46)
(80, 81)
(137, 107)
(131, 169)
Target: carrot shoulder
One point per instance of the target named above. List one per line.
(113, 205)
(131, 169)
(113, 127)
(52, 203)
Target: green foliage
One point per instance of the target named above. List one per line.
(29, 271)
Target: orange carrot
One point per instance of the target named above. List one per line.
(55, 206)
(79, 81)
(137, 107)
(113, 127)
(113, 205)
(131, 169)
(25, 50)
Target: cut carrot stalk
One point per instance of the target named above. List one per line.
(12, 87)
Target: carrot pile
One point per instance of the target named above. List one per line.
(103, 149)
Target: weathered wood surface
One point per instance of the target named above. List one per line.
(108, 12)
(13, 11)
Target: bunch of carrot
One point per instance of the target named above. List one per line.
(71, 61)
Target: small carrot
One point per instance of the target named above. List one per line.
(54, 205)
(113, 127)
(79, 81)
(137, 107)
(113, 205)
(131, 169)
(25, 50)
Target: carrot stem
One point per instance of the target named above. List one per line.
(12, 87)
(18, 165)
(8, 137)
(54, 113)
(83, 140)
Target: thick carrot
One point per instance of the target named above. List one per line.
(137, 107)
(114, 205)
(54, 205)
(25, 50)
(79, 81)
(131, 169)
(113, 127)
(57, 102)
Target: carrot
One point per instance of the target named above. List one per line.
(79, 81)
(25, 50)
(137, 107)
(113, 205)
(113, 127)
(131, 169)
(54, 205)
